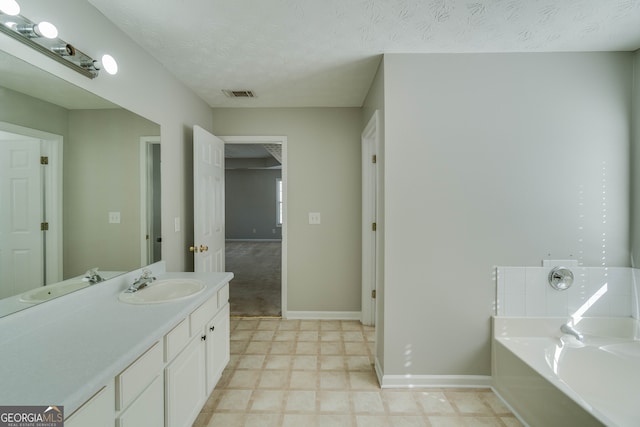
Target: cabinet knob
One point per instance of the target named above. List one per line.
(203, 338)
(212, 328)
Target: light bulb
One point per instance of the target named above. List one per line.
(46, 29)
(9, 7)
(109, 63)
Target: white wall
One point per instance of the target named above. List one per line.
(323, 175)
(494, 159)
(143, 86)
(635, 160)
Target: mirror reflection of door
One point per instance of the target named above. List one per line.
(152, 199)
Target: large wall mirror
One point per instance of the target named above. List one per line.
(79, 187)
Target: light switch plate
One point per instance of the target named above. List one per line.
(314, 218)
(114, 217)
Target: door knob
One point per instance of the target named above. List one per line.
(204, 248)
(193, 249)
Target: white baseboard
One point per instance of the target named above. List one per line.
(323, 315)
(253, 240)
(434, 381)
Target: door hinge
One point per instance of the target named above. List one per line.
(374, 226)
(373, 294)
(44, 160)
(374, 159)
(44, 226)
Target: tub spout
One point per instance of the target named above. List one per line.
(568, 329)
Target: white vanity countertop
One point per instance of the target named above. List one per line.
(64, 351)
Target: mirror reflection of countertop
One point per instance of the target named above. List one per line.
(62, 352)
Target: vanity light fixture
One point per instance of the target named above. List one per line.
(9, 7)
(43, 37)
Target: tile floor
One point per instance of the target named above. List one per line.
(307, 373)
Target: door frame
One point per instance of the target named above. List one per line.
(282, 140)
(370, 215)
(146, 202)
(51, 146)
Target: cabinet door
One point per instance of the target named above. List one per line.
(185, 385)
(98, 411)
(147, 410)
(217, 347)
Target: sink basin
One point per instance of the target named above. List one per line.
(166, 290)
(45, 293)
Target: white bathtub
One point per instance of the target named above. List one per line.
(553, 380)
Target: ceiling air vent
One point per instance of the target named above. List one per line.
(239, 93)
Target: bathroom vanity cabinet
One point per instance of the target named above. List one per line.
(170, 382)
(114, 364)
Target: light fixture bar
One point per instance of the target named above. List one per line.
(55, 48)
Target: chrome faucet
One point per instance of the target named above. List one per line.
(568, 329)
(141, 282)
(93, 277)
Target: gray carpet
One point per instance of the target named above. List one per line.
(256, 288)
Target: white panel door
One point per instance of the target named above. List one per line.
(21, 244)
(208, 203)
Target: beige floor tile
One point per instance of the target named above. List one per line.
(334, 380)
(400, 402)
(274, 379)
(303, 380)
(363, 380)
(285, 336)
(258, 347)
(263, 420)
(308, 336)
(482, 422)
(330, 325)
(301, 401)
(247, 324)
(351, 325)
(511, 421)
(267, 400)
(202, 420)
(332, 348)
(305, 363)
(494, 403)
(332, 363)
(309, 325)
(282, 347)
(371, 421)
(356, 348)
(242, 335)
(468, 402)
(334, 420)
(299, 420)
(367, 402)
(407, 421)
(330, 336)
(234, 400)
(226, 420)
(446, 421)
(434, 402)
(304, 347)
(334, 401)
(289, 325)
(238, 347)
(353, 336)
(359, 363)
(269, 324)
(263, 335)
(244, 379)
(277, 362)
(250, 362)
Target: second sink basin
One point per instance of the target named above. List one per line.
(166, 290)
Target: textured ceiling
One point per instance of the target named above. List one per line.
(296, 53)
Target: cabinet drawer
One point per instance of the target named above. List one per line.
(176, 340)
(138, 376)
(223, 295)
(202, 315)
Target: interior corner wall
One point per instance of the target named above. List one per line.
(494, 159)
(635, 160)
(374, 101)
(251, 204)
(142, 86)
(323, 175)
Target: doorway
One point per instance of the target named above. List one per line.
(255, 218)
